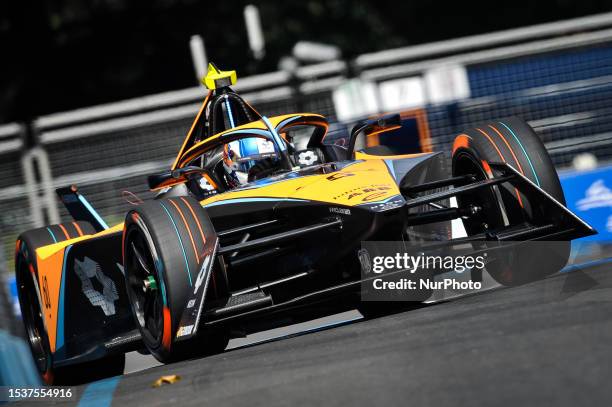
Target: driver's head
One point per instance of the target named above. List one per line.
(246, 159)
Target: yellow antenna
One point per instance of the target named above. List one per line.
(215, 78)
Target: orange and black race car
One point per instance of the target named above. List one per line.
(262, 219)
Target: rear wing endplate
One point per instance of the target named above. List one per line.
(79, 208)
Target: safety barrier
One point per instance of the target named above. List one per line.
(589, 195)
(7, 320)
(16, 364)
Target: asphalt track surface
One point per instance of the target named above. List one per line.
(546, 343)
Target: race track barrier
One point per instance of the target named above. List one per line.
(589, 195)
(16, 364)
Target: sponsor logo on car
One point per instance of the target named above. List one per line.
(202, 273)
(340, 211)
(184, 330)
(88, 270)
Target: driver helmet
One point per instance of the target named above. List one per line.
(244, 158)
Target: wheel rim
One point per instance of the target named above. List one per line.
(463, 164)
(143, 285)
(32, 317)
(466, 163)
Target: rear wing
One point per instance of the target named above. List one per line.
(79, 208)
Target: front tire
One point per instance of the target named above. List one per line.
(163, 241)
(514, 142)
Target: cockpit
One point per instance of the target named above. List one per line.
(244, 155)
(231, 145)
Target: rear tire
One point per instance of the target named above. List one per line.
(514, 142)
(159, 242)
(26, 274)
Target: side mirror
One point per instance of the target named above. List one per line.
(174, 177)
(373, 126)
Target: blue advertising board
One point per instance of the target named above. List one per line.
(12, 291)
(589, 195)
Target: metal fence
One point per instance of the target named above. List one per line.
(566, 96)
(557, 76)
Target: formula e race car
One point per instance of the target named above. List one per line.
(260, 220)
